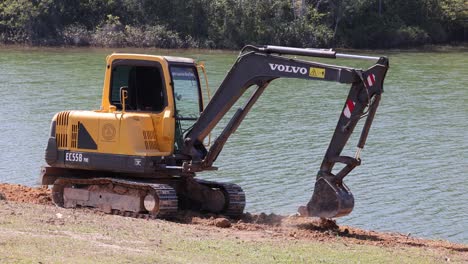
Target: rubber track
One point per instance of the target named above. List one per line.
(236, 197)
(167, 195)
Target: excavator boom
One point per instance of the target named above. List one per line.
(258, 66)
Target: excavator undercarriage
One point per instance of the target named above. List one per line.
(140, 153)
(159, 198)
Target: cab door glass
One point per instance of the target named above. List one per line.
(186, 92)
(187, 99)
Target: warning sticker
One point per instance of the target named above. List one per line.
(349, 108)
(371, 80)
(317, 72)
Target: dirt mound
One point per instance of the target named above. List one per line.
(24, 194)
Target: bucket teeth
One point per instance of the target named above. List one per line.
(330, 199)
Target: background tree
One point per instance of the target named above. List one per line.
(234, 23)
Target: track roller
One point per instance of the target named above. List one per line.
(234, 197)
(113, 196)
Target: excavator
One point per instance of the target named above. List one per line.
(140, 153)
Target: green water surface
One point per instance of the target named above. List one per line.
(414, 175)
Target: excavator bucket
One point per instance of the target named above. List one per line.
(330, 199)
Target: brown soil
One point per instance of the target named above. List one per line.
(307, 228)
(269, 225)
(24, 194)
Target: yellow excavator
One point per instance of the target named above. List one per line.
(138, 155)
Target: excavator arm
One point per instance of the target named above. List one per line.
(257, 67)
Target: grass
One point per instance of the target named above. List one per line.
(34, 234)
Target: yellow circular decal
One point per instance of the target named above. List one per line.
(108, 132)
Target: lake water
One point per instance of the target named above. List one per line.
(414, 175)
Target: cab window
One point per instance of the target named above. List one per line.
(186, 92)
(144, 85)
(187, 99)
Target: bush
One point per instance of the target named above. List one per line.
(159, 36)
(14, 37)
(76, 35)
(409, 36)
(110, 34)
(437, 33)
(154, 36)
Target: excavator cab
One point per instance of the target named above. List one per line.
(143, 85)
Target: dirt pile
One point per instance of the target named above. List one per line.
(24, 194)
(295, 227)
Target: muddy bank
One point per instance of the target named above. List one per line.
(261, 226)
(24, 194)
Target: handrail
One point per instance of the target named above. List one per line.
(311, 52)
(201, 65)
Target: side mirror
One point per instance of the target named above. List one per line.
(123, 96)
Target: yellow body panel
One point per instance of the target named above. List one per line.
(139, 136)
(117, 132)
(108, 132)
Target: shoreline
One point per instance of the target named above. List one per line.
(450, 47)
(18, 193)
(33, 230)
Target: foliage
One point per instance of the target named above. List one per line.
(233, 23)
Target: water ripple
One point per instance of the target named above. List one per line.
(413, 176)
